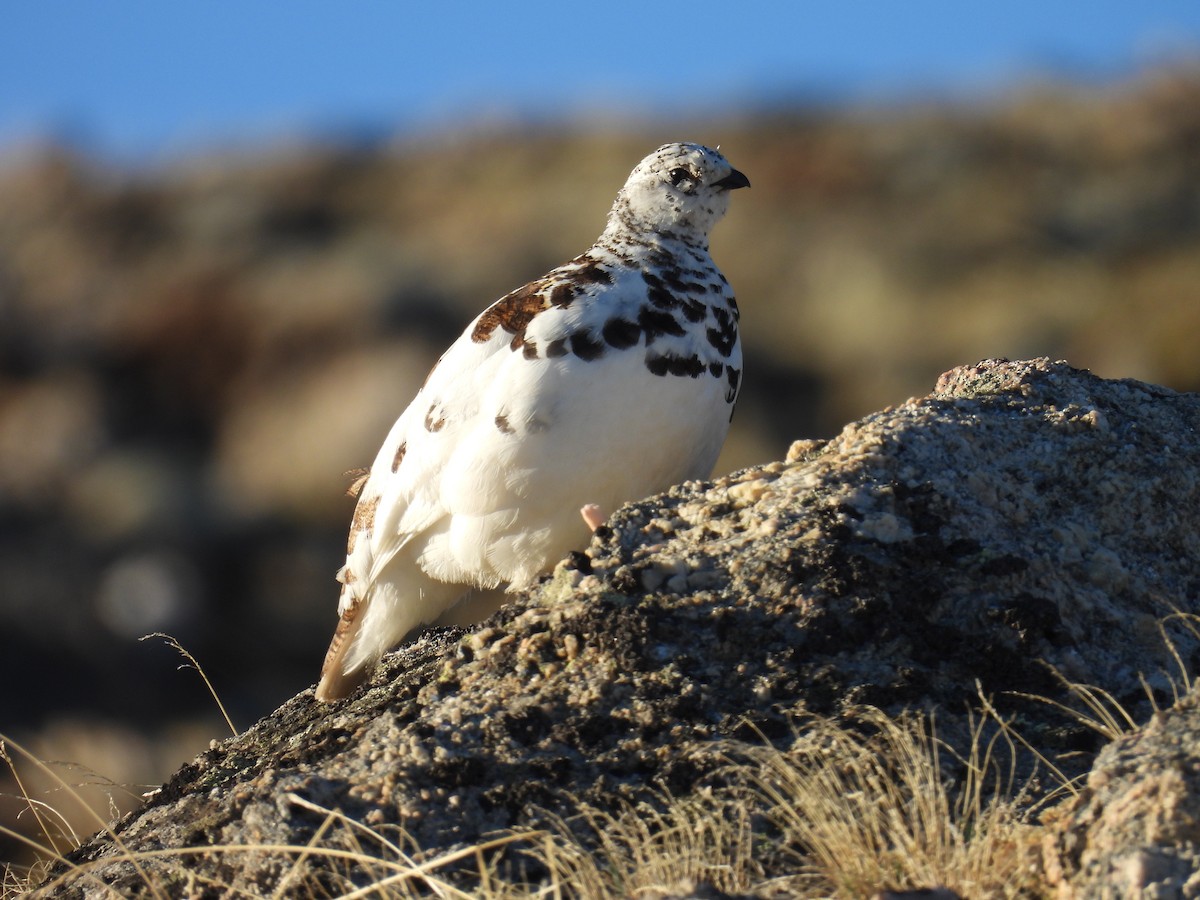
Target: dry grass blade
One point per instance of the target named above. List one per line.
(1014, 736)
(193, 664)
(1189, 622)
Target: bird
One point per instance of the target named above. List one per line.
(610, 378)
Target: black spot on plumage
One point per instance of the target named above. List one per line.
(593, 274)
(694, 312)
(660, 259)
(655, 323)
(737, 313)
(657, 365)
(621, 333)
(722, 340)
(662, 298)
(502, 425)
(529, 351)
(557, 348)
(399, 457)
(715, 369)
(724, 336)
(672, 277)
(684, 366)
(734, 376)
(585, 346)
(562, 294)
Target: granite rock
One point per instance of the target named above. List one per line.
(1134, 828)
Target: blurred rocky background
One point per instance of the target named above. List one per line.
(192, 355)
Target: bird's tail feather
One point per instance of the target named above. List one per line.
(336, 680)
(372, 624)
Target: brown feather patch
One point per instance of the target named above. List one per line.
(364, 520)
(434, 420)
(364, 515)
(512, 312)
(358, 479)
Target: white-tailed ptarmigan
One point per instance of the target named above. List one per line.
(606, 380)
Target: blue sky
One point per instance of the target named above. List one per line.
(131, 78)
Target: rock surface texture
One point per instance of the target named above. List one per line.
(1023, 518)
(1134, 830)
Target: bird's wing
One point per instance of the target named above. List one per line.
(442, 467)
(399, 502)
(402, 497)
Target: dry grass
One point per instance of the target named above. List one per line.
(839, 815)
(1097, 709)
(58, 837)
(847, 810)
(858, 813)
(651, 849)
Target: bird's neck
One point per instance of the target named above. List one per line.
(624, 241)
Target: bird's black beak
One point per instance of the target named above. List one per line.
(733, 180)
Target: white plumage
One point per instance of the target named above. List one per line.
(610, 378)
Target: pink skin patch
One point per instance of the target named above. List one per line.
(593, 516)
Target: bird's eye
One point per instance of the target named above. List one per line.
(679, 176)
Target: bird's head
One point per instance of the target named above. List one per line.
(680, 189)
